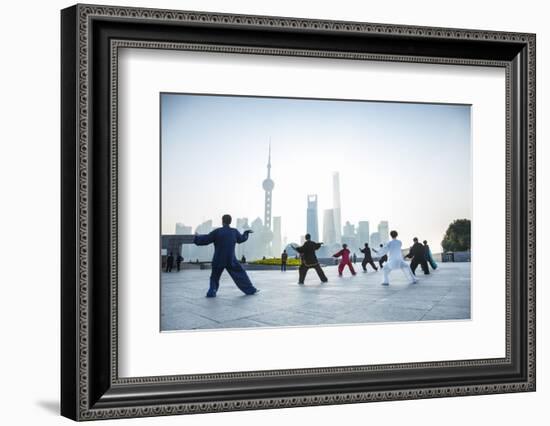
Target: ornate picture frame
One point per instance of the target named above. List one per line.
(90, 384)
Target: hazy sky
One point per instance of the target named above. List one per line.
(406, 163)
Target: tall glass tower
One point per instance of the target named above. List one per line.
(384, 231)
(328, 227)
(312, 223)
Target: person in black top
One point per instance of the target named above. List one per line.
(169, 262)
(417, 253)
(179, 259)
(309, 260)
(429, 256)
(383, 259)
(367, 258)
(284, 259)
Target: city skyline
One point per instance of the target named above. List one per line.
(272, 245)
(310, 140)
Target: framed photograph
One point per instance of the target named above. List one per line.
(263, 212)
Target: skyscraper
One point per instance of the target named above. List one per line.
(349, 229)
(186, 249)
(203, 252)
(256, 247)
(383, 230)
(375, 240)
(242, 225)
(312, 223)
(336, 207)
(268, 186)
(329, 230)
(276, 243)
(349, 236)
(181, 229)
(363, 232)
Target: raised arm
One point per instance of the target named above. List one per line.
(338, 254)
(241, 238)
(204, 240)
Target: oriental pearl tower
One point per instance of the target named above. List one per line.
(268, 186)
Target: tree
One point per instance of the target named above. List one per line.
(457, 237)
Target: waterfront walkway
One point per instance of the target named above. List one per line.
(442, 295)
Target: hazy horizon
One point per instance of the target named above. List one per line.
(407, 163)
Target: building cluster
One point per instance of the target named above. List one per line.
(266, 239)
(334, 234)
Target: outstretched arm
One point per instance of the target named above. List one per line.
(299, 249)
(204, 240)
(338, 254)
(241, 238)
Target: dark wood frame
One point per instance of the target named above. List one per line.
(90, 386)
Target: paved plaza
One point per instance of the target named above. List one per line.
(442, 295)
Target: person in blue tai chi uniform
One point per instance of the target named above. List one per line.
(224, 240)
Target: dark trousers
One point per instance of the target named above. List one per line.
(366, 262)
(383, 260)
(169, 267)
(178, 264)
(423, 264)
(303, 272)
(283, 266)
(237, 273)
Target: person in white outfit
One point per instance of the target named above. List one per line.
(395, 260)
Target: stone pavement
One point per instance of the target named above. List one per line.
(442, 295)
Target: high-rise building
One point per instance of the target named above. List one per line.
(203, 253)
(312, 222)
(242, 224)
(383, 230)
(205, 227)
(276, 243)
(186, 249)
(181, 229)
(349, 237)
(375, 240)
(329, 230)
(336, 206)
(363, 232)
(268, 186)
(259, 242)
(349, 229)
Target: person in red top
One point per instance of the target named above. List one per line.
(345, 255)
